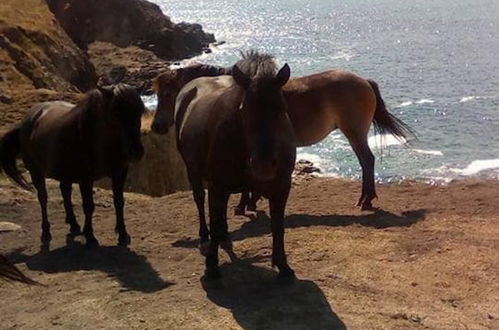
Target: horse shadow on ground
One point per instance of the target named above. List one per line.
(260, 223)
(132, 270)
(259, 300)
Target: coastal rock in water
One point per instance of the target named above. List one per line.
(303, 167)
(129, 22)
(35, 52)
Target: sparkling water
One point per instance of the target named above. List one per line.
(436, 62)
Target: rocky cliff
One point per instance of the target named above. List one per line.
(40, 62)
(35, 52)
(129, 23)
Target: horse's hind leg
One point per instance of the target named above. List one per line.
(199, 196)
(86, 189)
(218, 230)
(241, 207)
(39, 183)
(66, 190)
(255, 197)
(248, 201)
(118, 182)
(366, 159)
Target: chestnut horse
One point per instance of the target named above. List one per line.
(317, 105)
(234, 133)
(80, 143)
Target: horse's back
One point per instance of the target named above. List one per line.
(321, 102)
(49, 137)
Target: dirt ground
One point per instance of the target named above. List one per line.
(428, 259)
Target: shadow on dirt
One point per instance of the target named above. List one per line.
(132, 270)
(259, 300)
(260, 223)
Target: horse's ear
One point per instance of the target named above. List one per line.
(283, 75)
(240, 78)
(107, 91)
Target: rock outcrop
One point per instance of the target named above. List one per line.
(40, 62)
(129, 23)
(35, 52)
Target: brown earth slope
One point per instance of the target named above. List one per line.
(427, 260)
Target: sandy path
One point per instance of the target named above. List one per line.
(430, 259)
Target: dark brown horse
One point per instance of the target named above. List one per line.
(10, 272)
(317, 105)
(234, 132)
(80, 143)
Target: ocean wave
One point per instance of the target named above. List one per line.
(478, 166)
(468, 98)
(423, 101)
(429, 152)
(404, 104)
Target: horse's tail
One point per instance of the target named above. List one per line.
(10, 146)
(384, 122)
(10, 272)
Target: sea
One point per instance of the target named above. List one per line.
(436, 62)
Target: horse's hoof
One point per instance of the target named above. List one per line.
(368, 207)
(251, 208)
(124, 240)
(286, 273)
(204, 248)
(212, 274)
(92, 243)
(239, 210)
(75, 230)
(226, 245)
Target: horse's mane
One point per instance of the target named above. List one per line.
(257, 65)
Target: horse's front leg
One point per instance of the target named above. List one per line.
(86, 190)
(118, 182)
(66, 191)
(277, 205)
(39, 183)
(217, 200)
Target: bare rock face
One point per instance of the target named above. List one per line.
(35, 52)
(129, 23)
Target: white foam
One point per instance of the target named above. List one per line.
(477, 166)
(429, 152)
(385, 140)
(404, 104)
(423, 101)
(468, 98)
